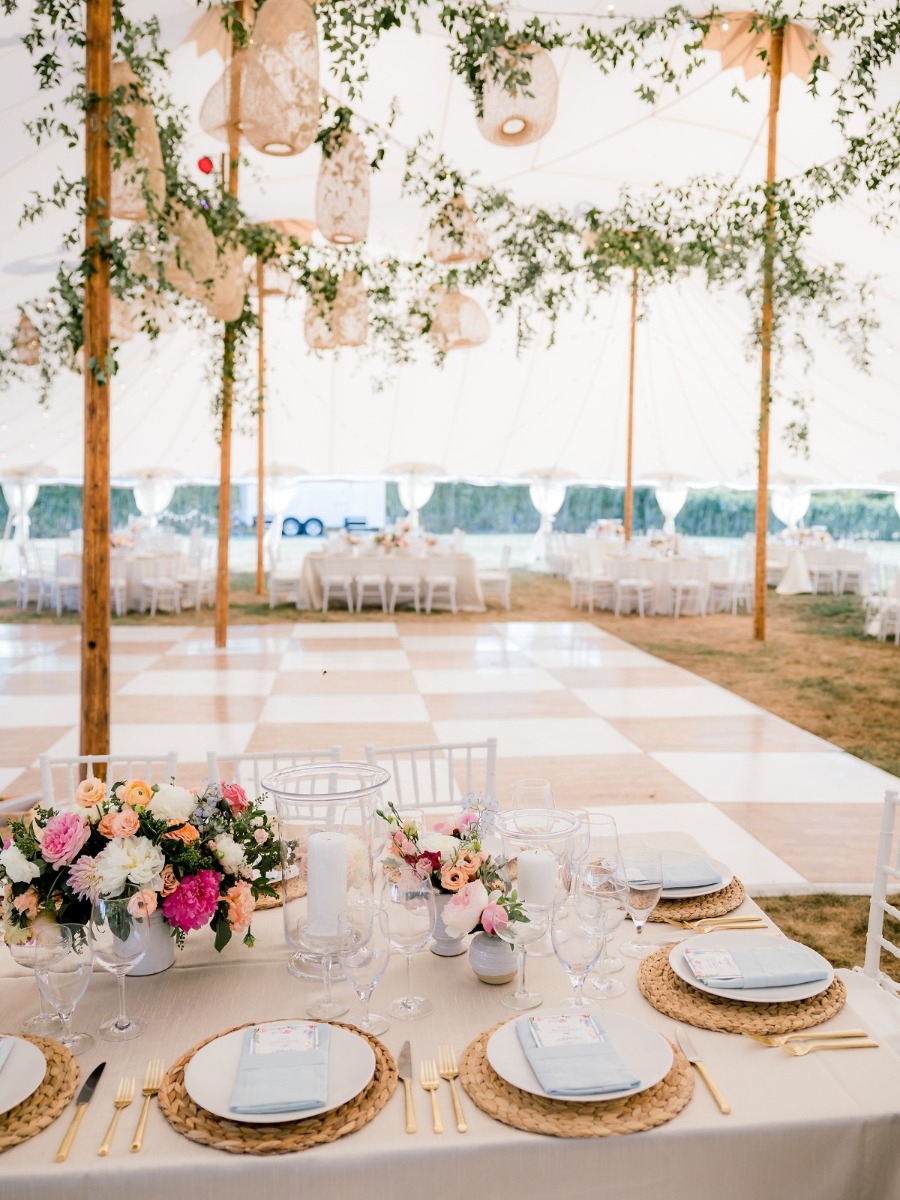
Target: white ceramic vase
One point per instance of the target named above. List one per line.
(445, 945)
(159, 954)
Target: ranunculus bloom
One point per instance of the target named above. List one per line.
(120, 824)
(453, 878)
(64, 835)
(183, 833)
(171, 803)
(169, 881)
(240, 906)
(192, 904)
(229, 853)
(27, 904)
(90, 792)
(463, 912)
(260, 836)
(134, 792)
(17, 867)
(142, 903)
(494, 918)
(235, 796)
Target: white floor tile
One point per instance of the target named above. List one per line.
(701, 701)
(351, 660)
(462, 643)
(38, 710)
(236, 682)
(7, 775)
(345, 629)
(452, 680)
(236, 648)
(350, 709)
(47, 664)
(588, 656)
(540, 737)
(152, 633)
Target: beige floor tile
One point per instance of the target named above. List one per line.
(598, 677)
(65, 683)
(303, 683)
(468, 658)
(351, 738)
(754, 733)
(596, 781)
(504, 705)
(190, 710)
(20, 747)
(217, 662)
(343, 645)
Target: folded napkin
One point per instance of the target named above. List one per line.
(283, 1081)
(6, 1045)
(770, 967)
(696, 872)
(577, 1069)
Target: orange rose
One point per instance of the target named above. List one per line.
(453, 878)
(142, 903)
(134, 792)
(470, 862)
(184, 833)
(120, 824)
(169, 882)
(90, 792)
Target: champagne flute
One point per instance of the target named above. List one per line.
(519, 934)
(364, 955)
(578, 944)
(34, 946)
(409, 900)
(118, 931)
(532, 793)
(643, 879)
(64, 980)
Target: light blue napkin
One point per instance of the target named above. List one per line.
(772, 967)
(696, 872)
(6, 1045)
(577, 1069)
(286, 1081)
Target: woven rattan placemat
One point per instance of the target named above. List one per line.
(296, 890)
(201, 1126)
(695, 908)
(581, 1119)
(43, 1106)
(670, 995)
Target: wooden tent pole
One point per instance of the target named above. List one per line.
(766, 333)
(95, 683)
(629, 486)
(221, 632)
(260, 434)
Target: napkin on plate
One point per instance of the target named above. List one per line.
(283, 1081)
(576, 1069)
(770, 967)
(695, 872)
(6, 1045)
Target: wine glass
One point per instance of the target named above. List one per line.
(520, 934)
(36, 946)
(532, 793)
(64, 980)
(600, 898)
(578, 944)
(603, 852)
(118, 932)
(364, 955)
(409, 900)
(643, 879)
(324, 945)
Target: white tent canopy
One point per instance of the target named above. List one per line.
(488, 414)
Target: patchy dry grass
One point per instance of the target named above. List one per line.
(833, 925)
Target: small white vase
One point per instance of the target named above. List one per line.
(445, 945)
(159, 951)
(492, 959)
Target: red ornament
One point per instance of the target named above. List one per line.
(205, 164)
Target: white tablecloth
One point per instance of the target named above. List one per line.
(795, 581)
(824, 1127)
(461, 566)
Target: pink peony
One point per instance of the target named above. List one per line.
(192, 904)
(120, 824)
(86, 878)
(494, 918)
(463, 912)
(240, 906)
(64, 835)
(236, 797)
(143, 903)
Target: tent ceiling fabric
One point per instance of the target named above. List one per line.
(488, 414)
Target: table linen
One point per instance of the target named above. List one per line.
(469, 597)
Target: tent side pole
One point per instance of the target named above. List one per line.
(629, 486)
(766, 335)
(96, 502)
(260, 435)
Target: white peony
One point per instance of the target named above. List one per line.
(462, 912)
(130, 860)
(17, 867)
(229, 853)
(440, 843)
(171, 803)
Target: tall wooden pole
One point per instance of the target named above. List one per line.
(629, 486)
(95, 687)
(260, 434)
(221, 638)
(766, 332)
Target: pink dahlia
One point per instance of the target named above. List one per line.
(192, 904)
(64, 835)
(86, 878)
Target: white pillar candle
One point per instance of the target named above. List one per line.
(536, 878)
(326, 881)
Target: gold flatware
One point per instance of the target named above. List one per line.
(152, 1083)
(124, 1097)
(709, 924)
(450, 1071)
(810, 1035)
(404, 1070)
(428, 1078)
(84, 1099)
(690, 1053)
(799, 1050)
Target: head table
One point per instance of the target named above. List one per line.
(822, 1127)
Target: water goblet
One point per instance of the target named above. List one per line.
(520, 934)
(409, 900)
(578, 944)
(643, 880)
(364, 955)
(118, 931)
(600, 898)
(532, 793)
(322, 945)
(64, 980)
(28, 948)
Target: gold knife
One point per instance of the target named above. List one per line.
(690, 1053)
(404, 1070)
(84, 1099)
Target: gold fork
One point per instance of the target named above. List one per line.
(152, 1083)
(124, 1097)
(450, 1071)
(428, 1077)
(812, 1035)
(726, 924)
(847, 1044)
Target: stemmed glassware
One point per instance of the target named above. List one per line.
(118, 938)
(32, 949)
(520, 934)
(364, 954)
(599, 896)
(532, 793)
(324, 946)
(410, 905)
(643, 879)
(578, 944)
(63, 980)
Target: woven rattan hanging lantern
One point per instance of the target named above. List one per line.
(459, 322)
(142, 171)
(318, 323)
(27, 344)
(246, 103)
(515, 118)
(191, 259)
(342, 191)
(455, 238)
(224, 300)
(286, 45)
(350, 314)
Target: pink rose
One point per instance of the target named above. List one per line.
(64, 835)
(120, 824)
(236, 797)
(494, 918)
(142, 903)
(169, 881)
(90, 792)
(260, 836)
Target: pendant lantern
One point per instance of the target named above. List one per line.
(286, 46)
(524, 114)
(342, 191)
(191, 258)
(140, 173)
(224, 301)
(318, 323)
(350, 314)
(455, 238)
(459, 322)
(246, 103)
(27, 344)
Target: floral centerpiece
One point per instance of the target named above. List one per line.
(201, 859)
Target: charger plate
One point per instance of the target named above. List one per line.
(695, 908)
(47, 1101)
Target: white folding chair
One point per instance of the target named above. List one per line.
(498, 582)
(250, 769)
(62, 775)
(887, 871)
(438, 776)
(632, 587)
(404, 589)
(689, 588)
(440, 585)
(371, 586)
(337, 580)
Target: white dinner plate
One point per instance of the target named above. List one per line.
(722, 941)
(643, 1050)
(681, 856)
(21, 1074)
(210, 1076)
